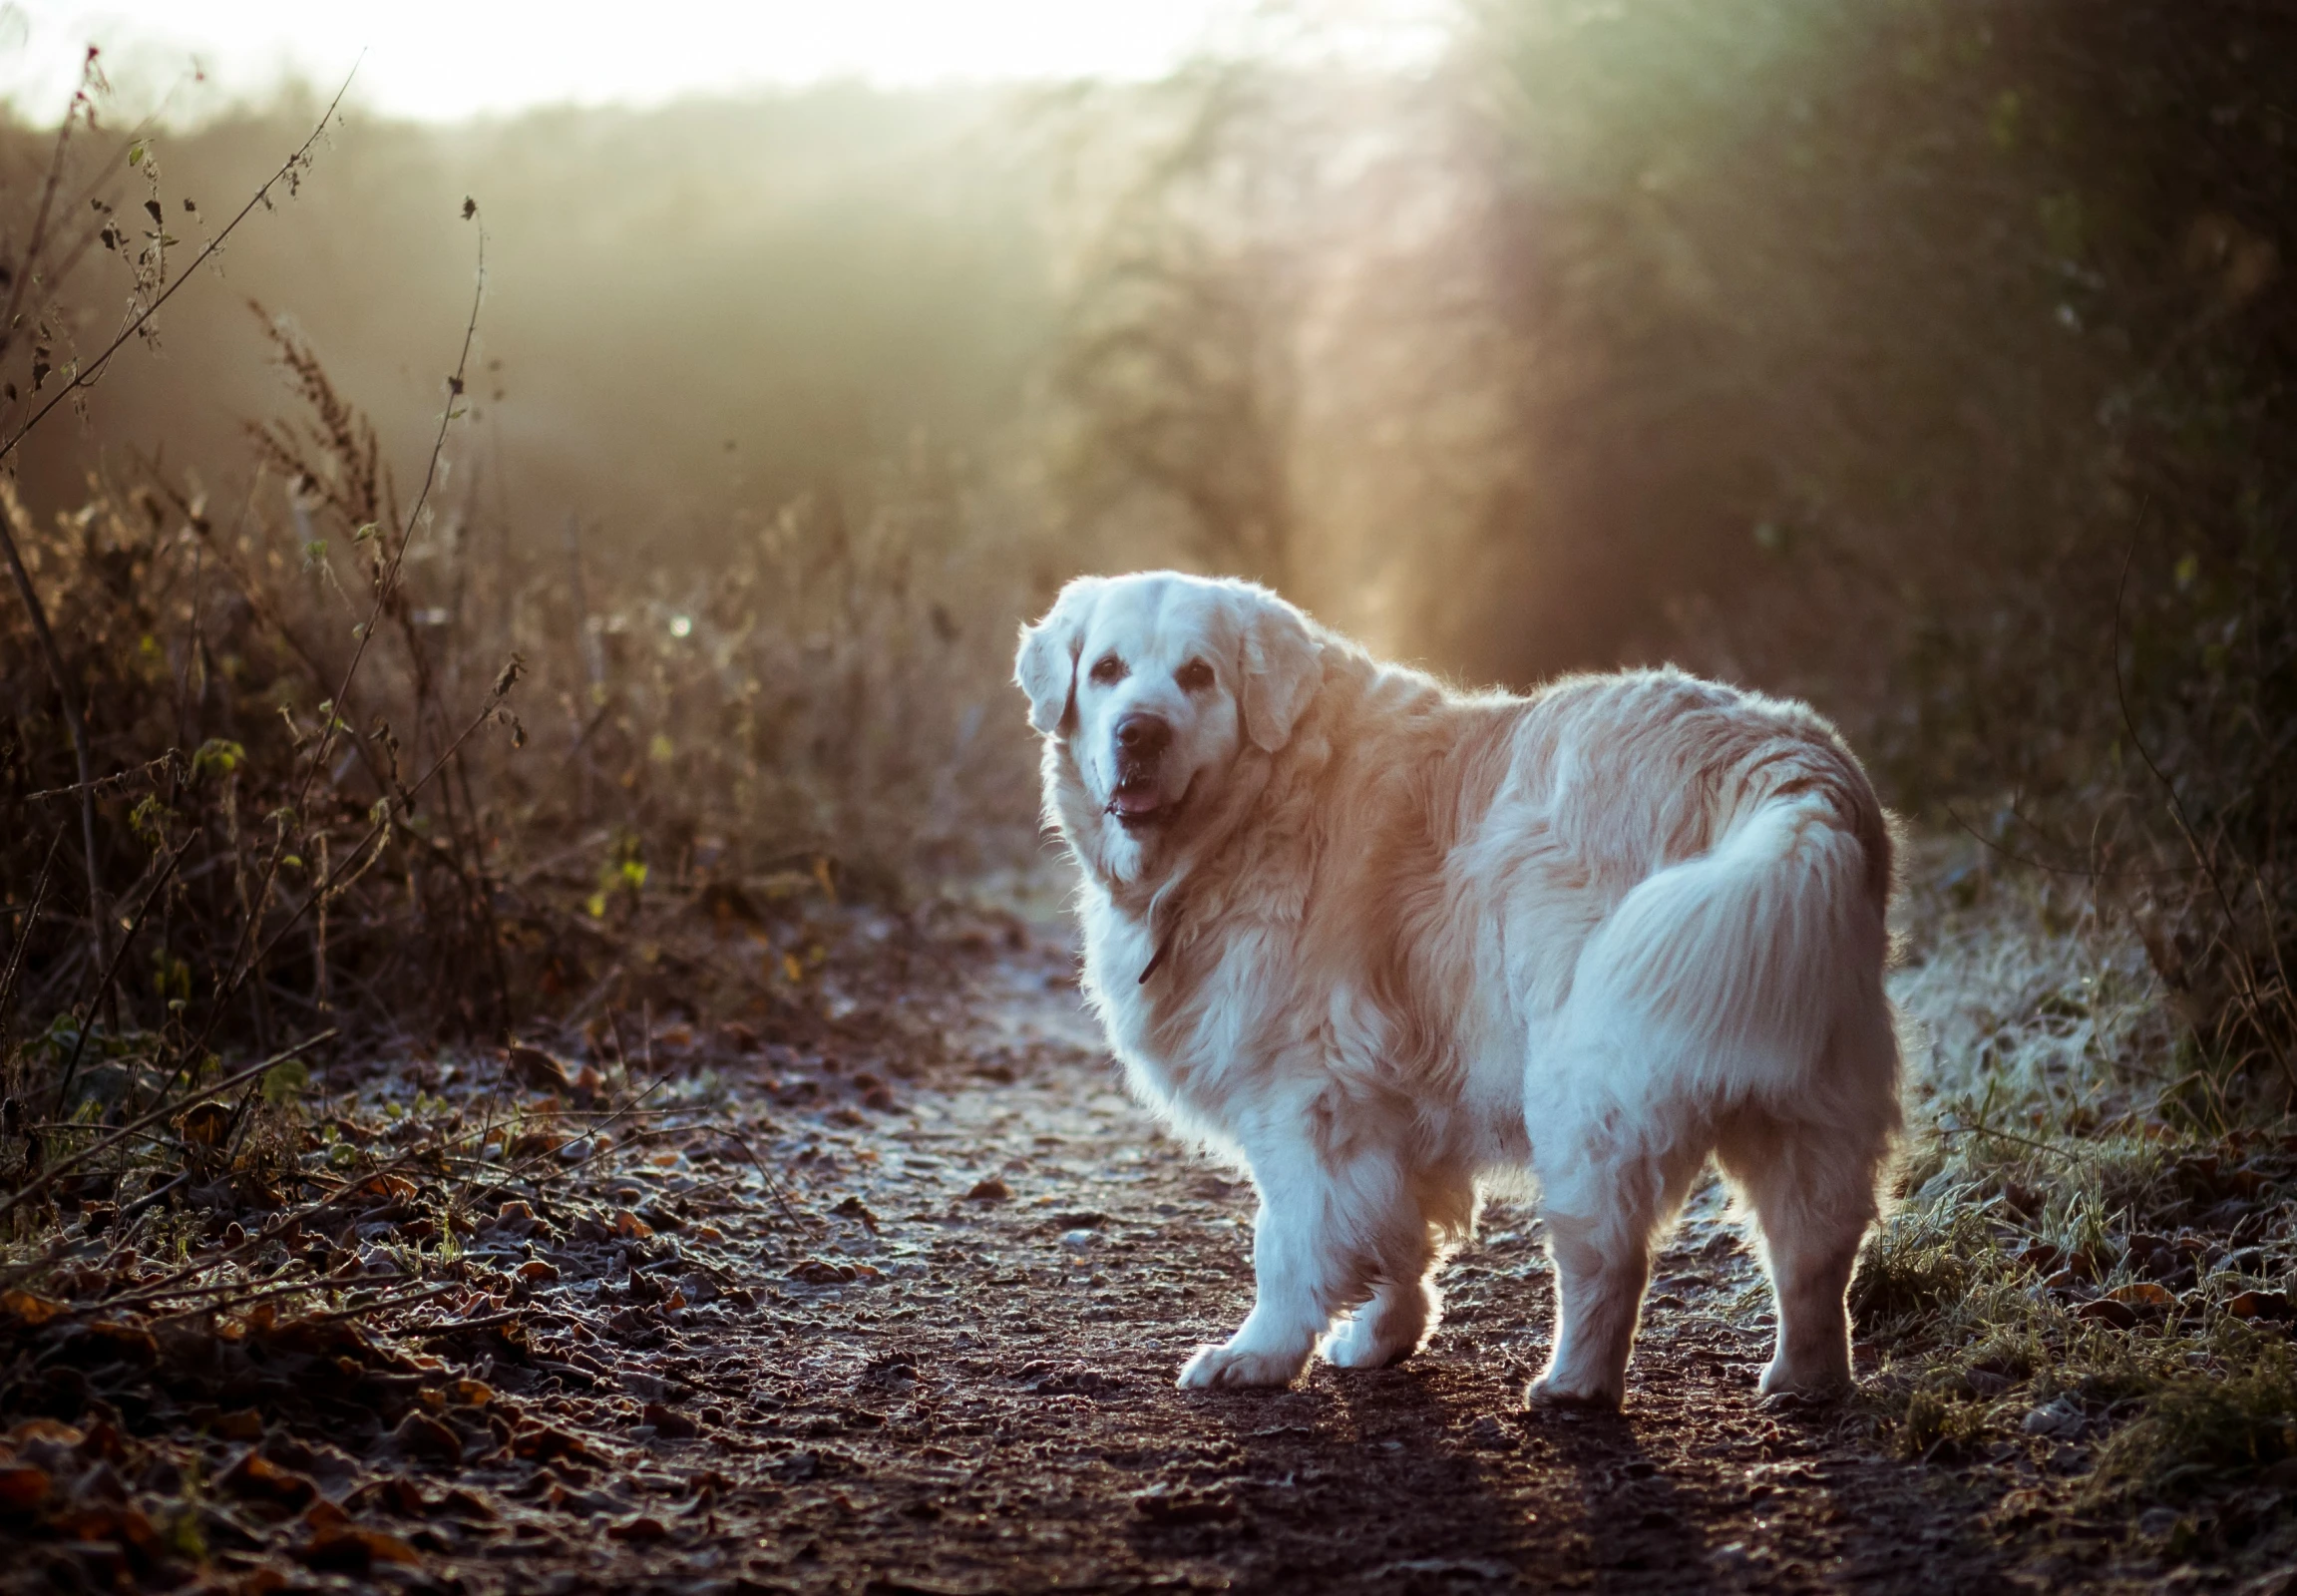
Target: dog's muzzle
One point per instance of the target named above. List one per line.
(1137, 800)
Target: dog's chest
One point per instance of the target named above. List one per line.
(1118, 950)
(1201, 1017)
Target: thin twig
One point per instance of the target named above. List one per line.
(84, 377)
(48, 1176)
(432, 1332)
(2202, 857)
(88, 376)
(334, 880)
(150, 769)
(2010, 1135)
(386, 581)
(319, 1284)
(28, 271)
(15, 973)
(69, 700)
(2086, 872)
(112, 971)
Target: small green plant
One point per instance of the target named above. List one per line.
(1921, 1262)
(2201, 1430)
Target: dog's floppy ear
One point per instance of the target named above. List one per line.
(1283, 667)
(1048, 665)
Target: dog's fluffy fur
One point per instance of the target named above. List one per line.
(1384, 941)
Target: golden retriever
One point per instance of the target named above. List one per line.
(1381, 941)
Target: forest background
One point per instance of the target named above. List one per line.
(1931, 359)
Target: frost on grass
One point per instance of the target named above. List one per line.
(2087, 1278)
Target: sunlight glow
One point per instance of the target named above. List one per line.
(440, 59)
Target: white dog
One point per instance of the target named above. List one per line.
(1381, 941)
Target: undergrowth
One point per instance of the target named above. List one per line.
(2088, 1278)
(325, 766)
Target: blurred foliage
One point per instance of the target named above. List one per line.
(671, 633)
(536, 739)
(1932, 359)
(716, 305)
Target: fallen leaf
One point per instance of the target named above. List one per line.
(543, 1442)
(420, 1435)
(2272, 1306)
(821, 1272)
(104, 1441)
(515, 1217)
(855, 1208)
(640, 1528)
(459, 1503)
(991, 1190)
(1163, 1504)
(103, 1521)
(538, 1069)
(393, 1493)
(22, 1488)
(205, 1123)
(353, 1550)
(2142, 1293)
(668, 1423)
(257, 1476)
(53, 1429)
(26, 1309)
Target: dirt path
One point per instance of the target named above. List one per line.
(991, 1406)
(945, 1366)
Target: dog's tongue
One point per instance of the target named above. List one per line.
(1135, 800)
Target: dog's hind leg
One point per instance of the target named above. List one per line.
(1602, 1201)
(1811, 1186)
(1327, 1215)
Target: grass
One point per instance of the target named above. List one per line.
(2085, 1281)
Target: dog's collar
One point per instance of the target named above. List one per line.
(1156, 958)
(1157, 903)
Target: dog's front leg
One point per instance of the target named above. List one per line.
(1304, 1266)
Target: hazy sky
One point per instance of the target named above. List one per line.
(442, 59)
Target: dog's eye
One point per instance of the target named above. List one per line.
(1109, 669)
(1195, 676)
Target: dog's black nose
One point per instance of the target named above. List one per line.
(1143, 736)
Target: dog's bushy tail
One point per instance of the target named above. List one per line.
(1754, 971)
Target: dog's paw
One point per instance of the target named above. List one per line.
(1358, 1345)
(1787, 1389)
(1550, 1391)
(1232, 1365)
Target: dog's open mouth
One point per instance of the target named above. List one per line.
(1137, 803)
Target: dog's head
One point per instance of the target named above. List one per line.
(1152, 687)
